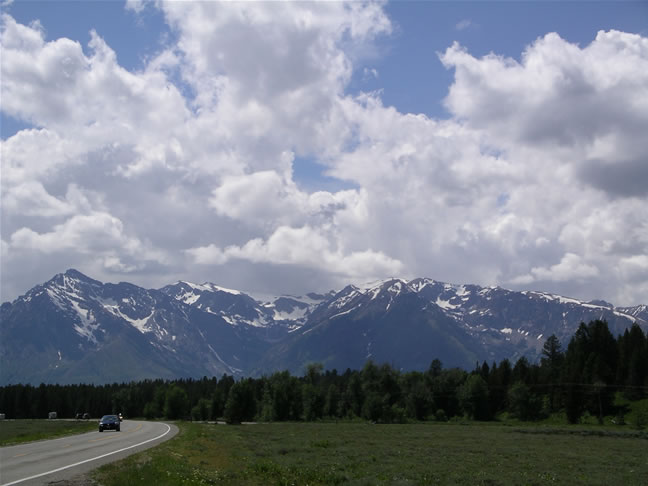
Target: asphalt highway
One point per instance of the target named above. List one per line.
(47, 461)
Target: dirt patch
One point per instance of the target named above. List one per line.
(80, 480)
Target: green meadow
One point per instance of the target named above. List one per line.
(19, 431)
(347, 453)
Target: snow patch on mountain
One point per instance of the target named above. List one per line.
(374, 293)
(260, 321)
(445, 304)
(189, 293)
(396, 287)
(140, 324)
(230, 368)
(419, 284)
(621, 314)
(295, 314)
(56, 300)
(344, 299)
(88, 324)
(462, 291)
(210, 287)
(188, 298)
(552, 297)
(343, 313)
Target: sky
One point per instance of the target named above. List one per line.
(288, 147)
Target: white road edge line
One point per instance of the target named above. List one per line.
(87, 460)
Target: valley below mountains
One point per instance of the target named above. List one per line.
(74, 329)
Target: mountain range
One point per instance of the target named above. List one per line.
(74, 329)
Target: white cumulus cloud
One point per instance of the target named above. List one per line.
(187, 167)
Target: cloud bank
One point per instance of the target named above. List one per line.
(186, 168)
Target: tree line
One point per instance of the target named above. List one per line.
(586, 377)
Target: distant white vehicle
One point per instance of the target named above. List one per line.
(51, 415)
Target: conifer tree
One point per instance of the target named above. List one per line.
(551, 364)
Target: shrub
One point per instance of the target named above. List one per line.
(441, 416)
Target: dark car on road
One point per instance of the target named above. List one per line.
(109, 422)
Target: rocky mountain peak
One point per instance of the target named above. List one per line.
(73, 327)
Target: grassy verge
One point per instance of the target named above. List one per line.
(362, 454)
(19, 431)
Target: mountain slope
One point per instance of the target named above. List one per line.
(390, 323)
(76, 329)
(411, 323)
(73, 328)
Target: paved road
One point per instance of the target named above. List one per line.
(54, 460)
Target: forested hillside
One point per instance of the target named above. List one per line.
(595, 374)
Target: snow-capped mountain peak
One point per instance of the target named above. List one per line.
(75, 328)
(210, 287)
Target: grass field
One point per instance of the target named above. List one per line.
(364, 454)
(19, 431)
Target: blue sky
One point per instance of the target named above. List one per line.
(504, 27)
(410, 74)
(237, 142)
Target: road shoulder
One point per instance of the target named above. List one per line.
(78, 474)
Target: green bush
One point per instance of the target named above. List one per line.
(440, 416)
